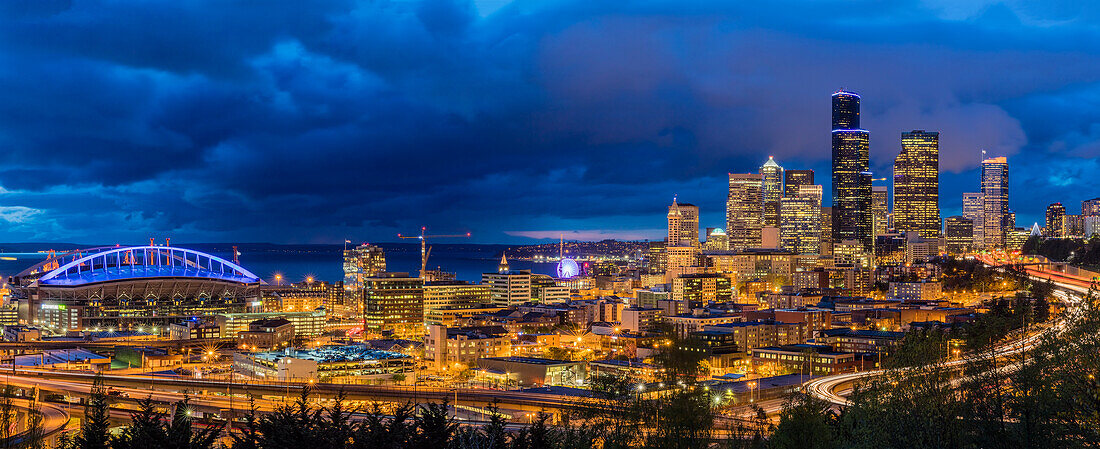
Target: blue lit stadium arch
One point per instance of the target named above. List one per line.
(131, 287)
(146, 262)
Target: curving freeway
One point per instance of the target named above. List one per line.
(54, 418)
(830, 388)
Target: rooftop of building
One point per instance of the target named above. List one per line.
(532, 360)
(477, 332)
(269, 322)
(327, 354)
(862, 333)
(802, 347)
(745, 324)
(624, 363)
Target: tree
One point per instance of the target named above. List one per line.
(805, 423)
(97, 420)
(434, 427)
(248, 436)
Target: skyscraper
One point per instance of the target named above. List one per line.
(852, 186)
(793, 179)
(683, 224)
(917, 184)
(845, 110)
(1056, 217)
(393, 302)
(852, 218)
(800, 221)
(959, 234)
(995, 202)
(744, 210)
(772, 191)
(974, 209)
(362, 262)
(880, 208)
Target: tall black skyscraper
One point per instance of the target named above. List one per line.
(852, 215)
(845, 110)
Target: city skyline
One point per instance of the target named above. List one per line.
(289, 128)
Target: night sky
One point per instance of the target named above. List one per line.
(316, 121)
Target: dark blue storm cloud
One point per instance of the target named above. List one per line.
(323, 120)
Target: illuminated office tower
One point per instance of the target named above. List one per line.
(852, 218)
(1056, 218)
(772, 191)
(826, 231)
(362, 262)
(974, 209)
(393, 303)
(880, 208)
(744, 211)
(793, 179)
(683, 224)
(959, 234)
(995, 214)
(800, 221)
(917, 184)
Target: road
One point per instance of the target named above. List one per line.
(829, 388)
(54, 418)
(169, 390)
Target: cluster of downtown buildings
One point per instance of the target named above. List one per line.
(787, 286)
(782, 209)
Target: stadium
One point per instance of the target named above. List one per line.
(125, 288)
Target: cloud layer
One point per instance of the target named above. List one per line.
(319, 121)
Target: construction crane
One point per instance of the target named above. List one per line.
(426, 250)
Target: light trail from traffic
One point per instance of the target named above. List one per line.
(828, 388)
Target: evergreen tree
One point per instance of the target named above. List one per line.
(97, 420)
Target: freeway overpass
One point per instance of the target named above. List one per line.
(218, 396)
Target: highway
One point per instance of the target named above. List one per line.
(829, 388)
(54, 418)
(131, 388)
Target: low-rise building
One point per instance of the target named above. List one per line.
(637, 319)
(267, 333)
(687, 323)
(340, 364)
(22, 333)
(464, 345)
(920, 291)
(790, 300)
(860, 341)
(306, 324)
(452, 317)
(531, 371)
(756, 334)
(146, 357)
(194, 329)
(816, 360)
